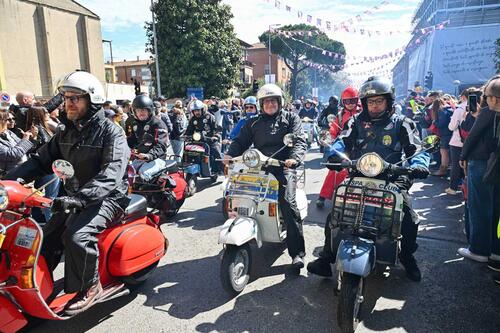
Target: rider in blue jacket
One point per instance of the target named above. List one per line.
(378, 129)
(250, 107)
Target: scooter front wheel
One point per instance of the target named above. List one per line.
(138, 278)
(192, 185)
(235, 268)
(350, 301)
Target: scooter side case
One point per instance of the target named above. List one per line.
(133, 247)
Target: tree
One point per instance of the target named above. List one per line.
(197, 46)
(296, 52)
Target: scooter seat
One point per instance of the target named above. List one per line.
(137, 208)
(195, 148)
(171, 166)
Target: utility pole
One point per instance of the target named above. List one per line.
(158, 85)
(269, 46)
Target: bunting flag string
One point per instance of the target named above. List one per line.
(350, 25)
(357, 60)
(327, 24)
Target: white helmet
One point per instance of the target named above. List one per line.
(269, 90)
(81, 82)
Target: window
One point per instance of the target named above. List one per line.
(266, 69)
(132, 72)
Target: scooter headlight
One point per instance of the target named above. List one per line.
(371, 165)
(196, 136)
(251, 158)
(4, 198)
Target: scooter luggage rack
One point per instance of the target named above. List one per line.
(261, 189)
(384, 201)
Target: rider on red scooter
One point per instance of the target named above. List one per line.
(148, 136)
(99, 153)
(349, 100)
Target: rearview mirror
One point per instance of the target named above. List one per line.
(196, 136)
(63, 169)
(330, 118)
(289, 140)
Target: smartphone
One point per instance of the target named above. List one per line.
(472, 103)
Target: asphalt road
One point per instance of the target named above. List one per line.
(185, 293)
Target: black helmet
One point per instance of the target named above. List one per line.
(143, 102)
(334, 99)
(377, 86)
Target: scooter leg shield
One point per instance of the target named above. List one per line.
(356, 257)
(239, 231)
(11, 319)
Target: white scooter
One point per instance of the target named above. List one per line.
(254, 216)
(308, 129)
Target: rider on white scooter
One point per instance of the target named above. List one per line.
(266, 132)
(97, 193)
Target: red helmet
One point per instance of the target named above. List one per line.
(349, 92)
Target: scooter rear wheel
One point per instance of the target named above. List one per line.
(138, 278)
(235, 268)
(350, 301)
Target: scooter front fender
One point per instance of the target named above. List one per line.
(240, 230)
(356, 257)
(11, 319)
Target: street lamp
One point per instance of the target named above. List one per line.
(456, 83)
(269, 45)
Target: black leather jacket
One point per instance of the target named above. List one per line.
(98, 151)
(266, 133)
(148, 137)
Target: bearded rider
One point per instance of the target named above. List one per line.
(97, 192)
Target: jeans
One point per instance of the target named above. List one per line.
(456, 171)
(480, 200)
(178, 149)
(51, 192)
(147, 170)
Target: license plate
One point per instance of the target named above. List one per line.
(25, 237)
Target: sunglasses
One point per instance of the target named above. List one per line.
(350, 101)
(74, 99)
(11, 120)
(250, 107)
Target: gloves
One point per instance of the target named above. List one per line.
(64, 204)
(419, 172)
(335, 159)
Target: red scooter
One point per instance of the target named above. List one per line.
(129, 253)
(166, 191)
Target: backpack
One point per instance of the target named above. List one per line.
(465, 126)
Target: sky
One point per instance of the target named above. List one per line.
(122, 21)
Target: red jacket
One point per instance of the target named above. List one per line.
(342, 118)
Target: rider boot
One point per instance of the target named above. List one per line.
(320, 266)
(84, 299)
(412, 270)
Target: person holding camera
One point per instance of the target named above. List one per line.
(476, 152)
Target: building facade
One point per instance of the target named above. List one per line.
(128, 71)
(42, 40)
(246, 66)
(460, 55)
(258, 54)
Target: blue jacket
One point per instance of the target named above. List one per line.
(310, 113)
(390, 137)
(236, 129)
(444, 118)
